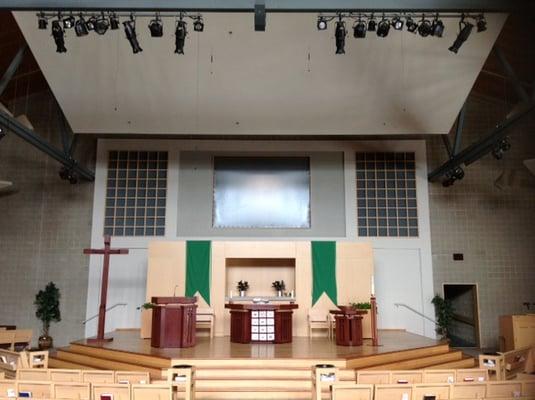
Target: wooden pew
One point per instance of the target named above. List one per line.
(10, 361)
(504, 389)
(71, 390)
(23, 338)
(33, 374)
(441, 391)
(477, 390)
(373, 377)
(152, 392)
(393, 392)
(96, 376)
(471, 375)
(406, 377)
(439, 376)
(351, 391)
(117, 391)
(528, 388)
(41, 390)
(7, 339)
(8, 387)
(65, 375)
(132, 377)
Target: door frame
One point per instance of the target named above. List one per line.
(476, 307)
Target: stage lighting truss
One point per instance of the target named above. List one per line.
(84, 22)
(425, 25)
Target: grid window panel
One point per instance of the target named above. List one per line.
(386, 195)
(136, 193)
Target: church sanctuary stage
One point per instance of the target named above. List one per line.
(258, 371)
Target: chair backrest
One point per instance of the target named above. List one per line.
(65, 375)
(463, 390)
(72, 390)
(23, 335)
(8, 387)
(94, 376)
(152, 392)
(407, 377)
(42, 390)
(393, 392)
(471, 375)
(439, 376)
(504, 389)
(373, 377)
(441, 391)
(351, 391)
(33, 374)
(7, 338)
(110, 391)
(528, 388)
(317, 316)
(132, 377)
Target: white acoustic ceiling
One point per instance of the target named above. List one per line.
(286, 80)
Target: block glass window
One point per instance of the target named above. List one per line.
(136, 193)
(386, 195)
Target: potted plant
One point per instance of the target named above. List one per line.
(444, 315)
(279, 286)
(361, 306)
(243, 286)
(47, 310)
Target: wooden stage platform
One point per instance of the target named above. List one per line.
(226, 370)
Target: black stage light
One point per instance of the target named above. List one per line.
(372, 25)
(464, 34)
(180, 36)
(101, 25)
(425, 28)
(198, 25)
(412, 26)
(437, 27)
(114, 22)
(81, 27)
(481, 23)
(42, 22)
(156, 27)
(130, 30)
(91, 22)
(340, 36)
(68, 22)
(397, 23)
(321, 24)
(59, 37)
(383, 28)
(359, 30)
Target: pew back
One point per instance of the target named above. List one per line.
(95, 376)
(373, 377)
(441, 391)
(152, 392)
(70, 390)
(132, 377)
(117, 391)
(351, 391)
(393, 392)
(439, 376)
(463, 390)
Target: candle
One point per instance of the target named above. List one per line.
(230, 294)
(373, 286)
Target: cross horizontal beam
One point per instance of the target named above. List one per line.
(271, 5)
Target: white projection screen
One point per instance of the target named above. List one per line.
(261, 192)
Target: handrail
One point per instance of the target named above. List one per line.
(416, 312)
(107, 309)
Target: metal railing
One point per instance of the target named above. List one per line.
(107, 309)
(416, 312)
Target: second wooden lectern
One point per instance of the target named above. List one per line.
(348, 326)
(173, 321)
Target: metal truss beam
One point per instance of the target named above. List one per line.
(13, 66)
(459, 131)
(517, 85)
(271, 5)
(9, 123)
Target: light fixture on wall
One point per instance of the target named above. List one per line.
(42, 22)
(321, 24)
(425, 28)
(412, 26)
(502, 146)
(383, 28)
(101, 24)
(360, 29)
(156, 27)
(114, 22)
(437, 27)
(59, 37)
(397, 23)
(481, 23)
(131, 35)
(465, 28)
(80, 27)
(456, 174)
(198, 24)
(180, 35)
(68, 22)
(340, 36)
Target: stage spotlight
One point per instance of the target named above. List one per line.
(321, 24)
(425, 28)
(372, 25)
(359, 30)
(102, 25)
(437, 27)
(501, 147)
(452, 176)
(91, 23)
(59, 37)
(412, 26)
(42, 22)
(397, 23)
(130, 30)
(198, 25)
(180, 36)
(464, 34)
(114, 22)
(68, 22)
(156, 27)
(340, 36)
(383, 28)
(81, 27)
(481, 23)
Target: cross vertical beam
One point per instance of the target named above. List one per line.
(13, 66)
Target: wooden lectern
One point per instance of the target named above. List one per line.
(348, 326)
(173, 321)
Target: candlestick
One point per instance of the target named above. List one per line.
(231, 294)
(373, 286)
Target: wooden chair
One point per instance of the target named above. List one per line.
(65, 375)
(10, 361)
(206, 319)
(318, 320)
(406, 377)
(94, 376)
(152, 392)
(439, 376)
(71, 390)
(373, 377)
(472, 375)
(31, 374)
(7, 339)
(132, 377)
(38, 359)
(441, 391)
(117, 391)
(23, 338)
(505, 389)
(468, 391)
(393, 392)
(351, 391)
(182, 378)
(40, 390)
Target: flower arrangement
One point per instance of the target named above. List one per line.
(279, 286)
(243, 286)
(361, 306)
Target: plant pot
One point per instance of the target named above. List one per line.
(45, 342)
(242, 293)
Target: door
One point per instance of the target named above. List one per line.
(464, 329)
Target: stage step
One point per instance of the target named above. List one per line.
(421, 362)
(265, 374)
(465, 362)
(54, 362)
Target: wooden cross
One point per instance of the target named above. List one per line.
(107, 251)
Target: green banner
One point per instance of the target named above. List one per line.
(324, 271)
(198, 262)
